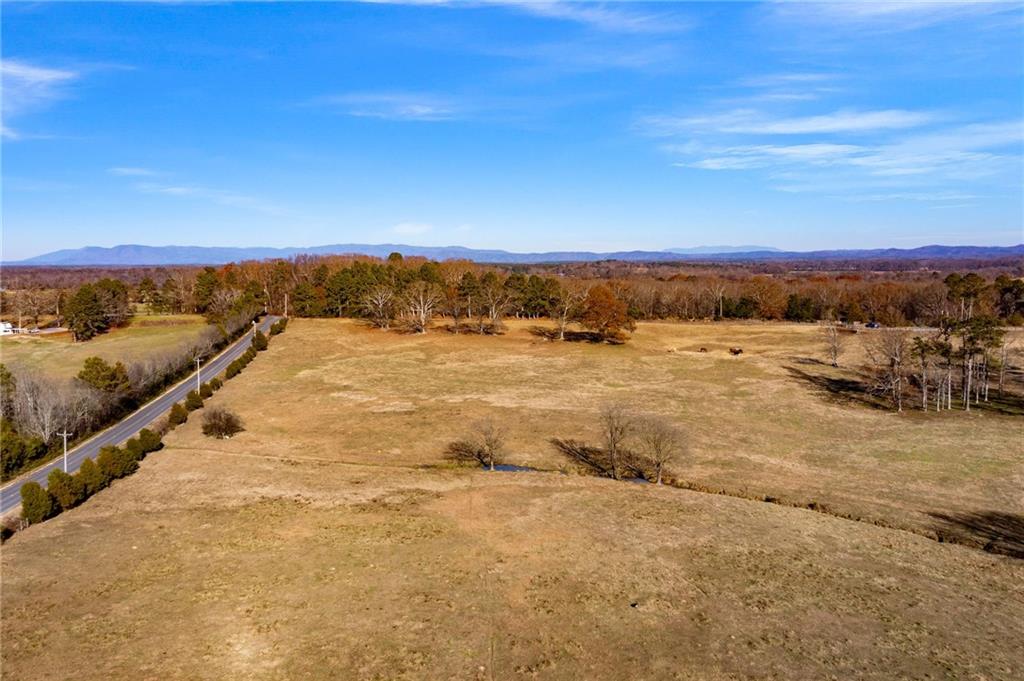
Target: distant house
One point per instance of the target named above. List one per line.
(6, 329)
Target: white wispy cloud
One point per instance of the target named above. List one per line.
(750, 121)
(966, 151)
(26, 87)
(407, 106)
(618, 17)
(767, 155)
(769, 80)
(615, 17)
(218, 196)
(938, 197)
(963, 152)
(129, 171)
(890, 15)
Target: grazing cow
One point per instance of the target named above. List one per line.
(703, 350)
(736, 351)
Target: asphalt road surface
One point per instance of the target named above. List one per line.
(10, 495)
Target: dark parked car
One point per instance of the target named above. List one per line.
(873, 325)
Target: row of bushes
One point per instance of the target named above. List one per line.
(64, 490)
(236, 367)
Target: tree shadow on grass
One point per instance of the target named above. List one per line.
(840, 390)
(811, 361)
(993, 531)
(1009, 404)
(474, 329)
(570, 336)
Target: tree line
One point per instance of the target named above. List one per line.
(408, 292)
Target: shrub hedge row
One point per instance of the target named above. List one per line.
(66, 490)
(236, 367)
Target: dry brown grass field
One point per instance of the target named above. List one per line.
(331, 539)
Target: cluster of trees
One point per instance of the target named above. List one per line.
(35, 407)
(219, 422)
(410, 294)
(634, 446)
(88, 310)
(95, 308)
(64, 491)
(952, 367)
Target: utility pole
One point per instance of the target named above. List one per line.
(199, 383)
(285, 304)
(65, 435)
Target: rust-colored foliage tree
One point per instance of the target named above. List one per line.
(604, 313)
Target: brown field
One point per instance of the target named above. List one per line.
(331, 540)
(57, 355)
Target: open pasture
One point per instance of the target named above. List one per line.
(331, 539)
(759, 424)
(58, 355)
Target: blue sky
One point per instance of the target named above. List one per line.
(525, 126)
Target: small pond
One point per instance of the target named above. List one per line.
(510, 468)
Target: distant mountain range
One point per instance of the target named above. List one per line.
(128, 255)
(719, 250)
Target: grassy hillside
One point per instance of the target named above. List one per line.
(214, 564)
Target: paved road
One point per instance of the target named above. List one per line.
(10, 495)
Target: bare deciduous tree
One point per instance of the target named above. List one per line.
(379, 305)
(420, 301)
(567, 304)
(660, 442)
(1006, 352)
(495, 298)
(716, 293)
(888, 350)
(43, 407)
(616, 426)
(453, 302)
(484, 445)
(834, 341)
(221, 302)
